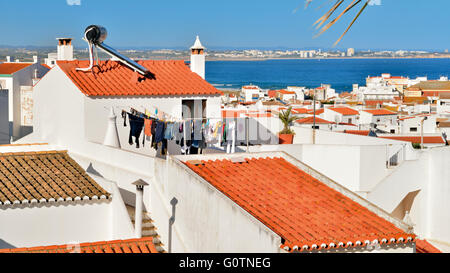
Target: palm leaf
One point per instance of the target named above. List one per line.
(323, 19)
(349, 7)
(356, 17)
(327, 15)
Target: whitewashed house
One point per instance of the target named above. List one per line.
(414, 124)
(443, 105)
(250, 93)
(46, 198)
(16, 87)
(341, 115)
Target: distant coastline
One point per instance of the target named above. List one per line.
(328, 58)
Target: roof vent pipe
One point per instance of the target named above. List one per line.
(140, 184)
(94, 35)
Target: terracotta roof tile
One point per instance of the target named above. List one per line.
(300, 110)
(296, 206)
(423, 246)
(44, 176)
(10, 68)
(344, 111)
(318, 111)
(111, 78)
(357, 132)
(310, 120)
(286, 92)
(380, 112)
(417, 139)
(142, 245)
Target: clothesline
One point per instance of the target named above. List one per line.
(196, 134)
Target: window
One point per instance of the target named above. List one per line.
(315, 127)
(378, 120)
(413, 129)
(392, 131)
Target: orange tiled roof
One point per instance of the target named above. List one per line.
(310, 120)
(423, 246)
(272, 93)
(299, 208)
(10, 68)
(380, 112)
(318, 111)
(300, 110)
(344, 111)
(142, 245)
(282, 91)
(357, 132)
(375, 102)
(46, 66)
(111, 78)
(417, 139)
(44, 176)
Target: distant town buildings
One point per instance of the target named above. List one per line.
(350, 52)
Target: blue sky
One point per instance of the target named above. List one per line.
(395, 24)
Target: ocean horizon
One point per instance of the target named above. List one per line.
(311, 73)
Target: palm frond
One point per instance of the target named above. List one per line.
(327, 15)
(326, 27)
(356, 17)
(287, 118)
(320, 23)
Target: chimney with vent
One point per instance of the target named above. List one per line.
(140, 184)
(198, 58)
(65, 49)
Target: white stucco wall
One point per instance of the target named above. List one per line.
(58, 223)
(28, 225)
(429, 176)
(97, 111)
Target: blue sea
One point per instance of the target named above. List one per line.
(340, 73)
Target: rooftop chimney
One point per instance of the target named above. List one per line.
(8, 59)
(35, 59)
(140, 184)
(112, 136)
(65, 49)
(198, 58)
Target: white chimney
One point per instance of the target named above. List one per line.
(65, 49)
(140, 184)
(8, 59)
(198, 58)
(112, 136)
(35, 59)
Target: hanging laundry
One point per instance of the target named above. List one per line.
(148, 127)
(168, 131)
(136, 125)
(159, 131)
(197, 134)
(124, 116)
(178, 135)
